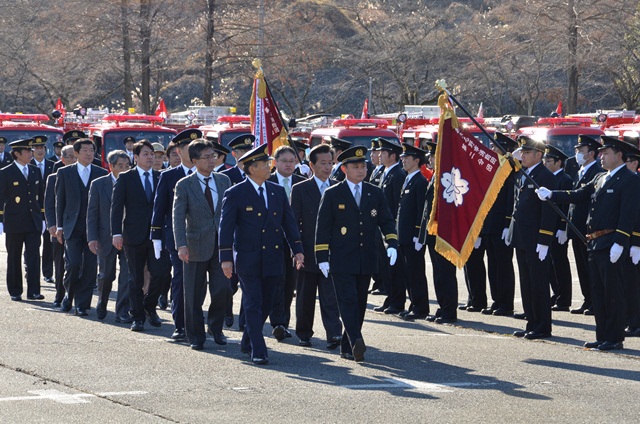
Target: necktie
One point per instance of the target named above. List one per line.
(191, 172)
(85, 176)
(207, 194)
(261, 194)
(25, 172)
(147, 186)
(581, 174)
(287, 187)
(41, 166)
(406, 183)
(324, 186)
(357, 195)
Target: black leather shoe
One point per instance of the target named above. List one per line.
(443, 320)
(260, 360)
(557, 308)
(348, 356)
(632, 332)
(16, 298)
(197, 346)
(502, 313)
(334, 342)
(287, 334)
(246, 351)
(431, 318)
(379, 308)
(473, 309)
(48, 280)
(533, 335)
(35, 296)
(610, 346)
(154, 319)
(65, 305)
(81, 312)
(137, 326)
(220, 339)
(228, 321)
(392, 311)
(304, 342)
(101, 312)
(520, 333)
(378, 292)
(403, 314)
(278, 332)
(487, 311)
(588, 311)
(520, 316)
(179, 334)
(162, 303)
(56, 304)
(592, 345)
(124, 319)
(463, 307)
(412, 316)
(580, 310)
(359, 348)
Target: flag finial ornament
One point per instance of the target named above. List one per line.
(441, 84)
(257, 63)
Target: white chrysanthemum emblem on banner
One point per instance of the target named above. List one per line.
(455, 187)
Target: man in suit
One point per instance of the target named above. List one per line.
(46, 168)
(560, 274)
(339, 145)
(68, 158)
(411, 255)
(57, 152)
(305, 202)
(382, 278)
(586, 157)
(162, 224)
(391, 183)
(256, 217)
(351, 214)
(5, 157)
(240, 146)
(494, 233)
(534, 228)
(131, 210)
(173, 156)
(280, 316)
(614, 209)
(196, 217)
(72, 200)
(99, 236)
(21, 197)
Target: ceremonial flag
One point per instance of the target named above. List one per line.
(559, 108)
(266, 122)
(468, 177)
(365, 110)
(161, 110)
(480, 112)
(60, 108)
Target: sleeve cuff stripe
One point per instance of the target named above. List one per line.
(545, 232)
(320, 247)
(391, 237)
(622, 232)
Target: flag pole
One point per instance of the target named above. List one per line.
(442, 85)
(284, 124)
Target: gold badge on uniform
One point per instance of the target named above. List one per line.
(340, 206)
(15, 183)
(374, 212)
(343, 230)
(249, 208)
(17, 199)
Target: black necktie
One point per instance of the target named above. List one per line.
(261, 194)
(147, 186)
(207, 193)
(191, 172)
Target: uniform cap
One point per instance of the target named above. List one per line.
(23, 144)
(555, 153)
(242, 142)
(506, 142)
(260, 153)
(340, 144)
(186, 136)
(375, 145)
(353, 154)
(615, 143)
(586, 140)
(58, 144)
(3, 140)
(410, 150)
(73, 135)
(158, 147)
(431, 146)
(528, 143)
(39, 140)
(390, 146)
(220, 148)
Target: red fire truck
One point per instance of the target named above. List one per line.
(360, 132)
(226, 129)
(17, 126)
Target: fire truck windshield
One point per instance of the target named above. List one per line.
(113, 140)
(20, 134)
(564, 143)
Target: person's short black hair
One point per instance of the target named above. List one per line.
(197, 146)
(77, 145)
(318, 150)
(138, 145)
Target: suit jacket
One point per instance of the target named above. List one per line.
(234, 174)
(305, 202)
(410, 209)
(53, 158)
(499, 216)
(68, 196)
(130, 210)
(57, 166)
(346, 233)
(194, 225)
(579, 210)
(48, 168)
(161, 221)
(535, 222)
(611, 207)
(391, 185)
(255, 233)
(50, 201)
(21, 201)
(7, 159)
(99, 214)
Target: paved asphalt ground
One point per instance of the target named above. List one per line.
(58, 368)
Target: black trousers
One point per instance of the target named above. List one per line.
(582, 265)
(502, 279)
(351, 292)
(283, 297)
(560, 276)
(310, 283)
(58, 262)
(534, 287)
(106, 277)
(415, 277)
(632, 293)
(444, 282)
(137, 257)
(14, 243)
(475, 275)
(382, 280)
(47, 255)
(608, 296)
(81, 268)
(257, 301)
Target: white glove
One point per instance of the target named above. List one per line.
(477, 243)
(1, 228)
(44, 227)
(561, 235)
(543, 193)
(542, 251)
(635, 254)
(417, 245)
(324, 268)
(517, 154)
(392, 254)
(157, 248)
(615, 252)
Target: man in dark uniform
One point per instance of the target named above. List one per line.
(414, 191)
(302, 166)
(239, 147)
(586, 157)
(57, 152)
(391, 183)
(5, 157)
(162, 225)
(21, 209)
(46, 168)
(256, 217)
(613, 215)
(305, 202)
(382, 278)
(128, 143)
(72, 199)
(494, 233)
(632, 270)
(351, 214)
(339, 145)
(374, 154)
(534, 228)
(221, 158)
(554, 160)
